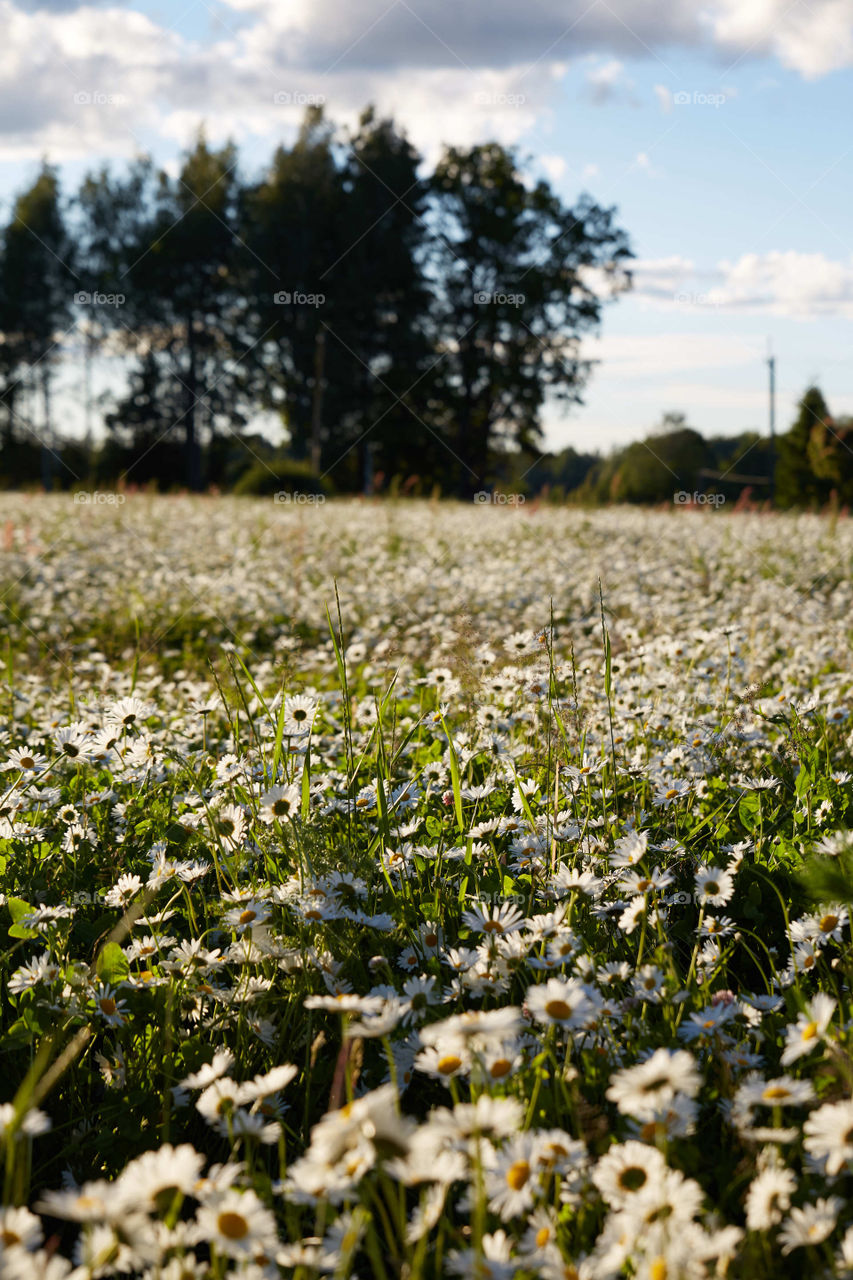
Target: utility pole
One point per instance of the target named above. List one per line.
(771, 366)
(317, 402)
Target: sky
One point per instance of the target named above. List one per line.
(719, 130)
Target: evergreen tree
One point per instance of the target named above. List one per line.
(182, 296)
(796, 482)
(295, 227)
(37, 286)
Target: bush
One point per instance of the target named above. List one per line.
(280, 475)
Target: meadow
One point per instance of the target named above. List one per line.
(410, 889)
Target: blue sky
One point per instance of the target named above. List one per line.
(721, 132)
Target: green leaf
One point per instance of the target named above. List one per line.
(18, 1035)
(828, 879)
(749, 809)
(306, 784)
(18, 908)
(454, 777)
(21, 931)
(112, 966)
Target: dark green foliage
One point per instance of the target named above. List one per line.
(280, 475)
(335, 291)
(815, 456)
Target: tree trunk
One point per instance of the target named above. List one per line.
(192, 459)
(46, 451)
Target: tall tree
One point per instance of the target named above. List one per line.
(110, 214)
(796, 481)
(515, 289)
(295, 228)
(141, 442)
(36, 304)
(382, 302)
(182, 300)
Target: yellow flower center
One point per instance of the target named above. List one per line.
(500, 1067)
(672, 793)
(632, 1178)
(493, 926)
(518, 1174)
(247, 916)
(774, 1091)
(828, 923)
(658, 1270)
(232, 1225)
(543, 1235)
(107, 1005)
(809, 1031)
(558, 1009)
(449, 1064)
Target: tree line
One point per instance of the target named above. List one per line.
(810, 465)
(396, 320)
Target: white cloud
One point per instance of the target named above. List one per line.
(554, 166)
(803, 285)
(642, 161)
(604, 80)
(811, 38)
(652, 356)
(787, 283)
(425, 62)
(74, 84)
(664, 97)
